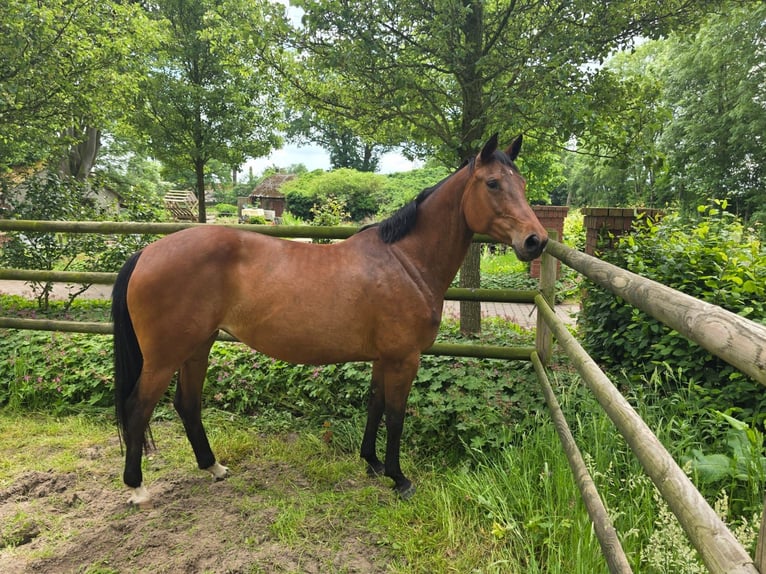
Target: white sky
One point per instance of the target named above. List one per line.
(314, 157)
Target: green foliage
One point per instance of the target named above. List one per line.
(226, 209)
(207, 101)
(360, 192)
(331, 211)
(690, 129)
(65, 63)
(48, 197)
(54, 371)
(456, 72)
(401, 188)
(714, 83)
(740, 469)
(574, 230)
(714, 258)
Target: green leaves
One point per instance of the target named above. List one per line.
(714, 258)
(64, 62)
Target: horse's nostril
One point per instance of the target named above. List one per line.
(532, 243)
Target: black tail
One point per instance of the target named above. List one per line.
(128, 359)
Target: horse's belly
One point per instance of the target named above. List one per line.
(300, 343)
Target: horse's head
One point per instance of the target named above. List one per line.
(495, 202)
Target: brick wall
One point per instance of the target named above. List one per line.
(605, 225)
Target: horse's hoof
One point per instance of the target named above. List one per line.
(140, 499)
(405, 491)
(218, 471)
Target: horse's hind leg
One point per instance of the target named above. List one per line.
(375, 406)
(151, 385)
(188, 404)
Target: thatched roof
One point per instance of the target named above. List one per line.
(269, 187)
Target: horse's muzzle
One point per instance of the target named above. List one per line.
(532, 248)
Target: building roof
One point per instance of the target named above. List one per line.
(269, 187)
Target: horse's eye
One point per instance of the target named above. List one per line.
(493, 184)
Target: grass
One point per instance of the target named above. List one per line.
(516, 511)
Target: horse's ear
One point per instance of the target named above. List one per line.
(514, 149)
(488, 149)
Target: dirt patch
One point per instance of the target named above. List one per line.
(80, 522)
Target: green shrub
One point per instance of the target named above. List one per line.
(55, 371)
(360, 192)
(226, 209)
(713, 258)
(52, 198)
(401, 188)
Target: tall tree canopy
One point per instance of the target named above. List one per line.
(700, 101)
(713, 82)
(447, 73)
(205, 98)
(66, 67)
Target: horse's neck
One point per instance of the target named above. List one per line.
(441, 238)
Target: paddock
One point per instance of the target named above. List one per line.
(740, 342)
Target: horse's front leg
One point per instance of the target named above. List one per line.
(398, 377)
(375, 407)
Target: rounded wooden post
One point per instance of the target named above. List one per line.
(543, 336)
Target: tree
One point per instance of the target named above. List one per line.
(693, 124)
(445, 74)
(347, 150)
(68, 70)
(713, 83)
(200, 102)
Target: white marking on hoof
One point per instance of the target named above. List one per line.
(218, 471)
(140, 498)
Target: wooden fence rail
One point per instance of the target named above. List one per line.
(737, 340)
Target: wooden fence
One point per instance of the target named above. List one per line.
(735, 339)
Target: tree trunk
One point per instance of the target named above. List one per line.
(199, 170)
(81, 156)
(472, 129)
(470, 276)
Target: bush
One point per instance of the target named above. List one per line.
(401, 188)
(715, 259)
(52, 198)
(360, 192)
(226, 209)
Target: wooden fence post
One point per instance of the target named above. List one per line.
(544, 336)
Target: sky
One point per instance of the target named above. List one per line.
(314, 157)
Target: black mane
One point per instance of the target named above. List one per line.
(403, 220)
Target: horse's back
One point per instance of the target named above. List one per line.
(300, 302)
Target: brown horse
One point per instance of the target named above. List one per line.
(376, 296)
